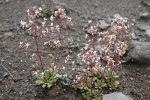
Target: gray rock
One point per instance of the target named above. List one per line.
(131, 78)
(148, 32)
(75, 46)
(144, 15)
(6, 1)
(138, 52)
(117, 16)
(116, 96)
(90, 21)
(65, 75)
(88, 31)
(112, 18)
(87, 25)
(78, 40)
(1, 36)
(68, 80)
(99, 49)
(20, 92)
(145, 28)
(1, 80)
(5, 75)
(102, 24)
(9, 34)
(148, 69)
(79, 62)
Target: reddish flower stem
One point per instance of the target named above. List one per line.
(37, 45)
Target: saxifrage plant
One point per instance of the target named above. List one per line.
(36, 27)
(98, 71)
(48, 78)
(100, 65)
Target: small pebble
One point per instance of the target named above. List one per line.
(144, 15)
(102, 24)
(1, 80)
(148, 69)
(1, 36)
(131, 78)
(9, 34)
(5, 75)
(89, 21)
(6, 1)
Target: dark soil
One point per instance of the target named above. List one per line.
(16, 79)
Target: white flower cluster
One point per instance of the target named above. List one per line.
(120, 23)
(62, 16)
(120, 48)
(114, 42)
(90, 58)
(53, 43)
(93, 30)
(25, 45)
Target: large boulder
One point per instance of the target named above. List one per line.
(145, 28)
(116, 96)
(138, 52)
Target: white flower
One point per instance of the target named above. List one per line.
(86, 46)
(43, 23)
(27, 45)
(40, 8)
(57, 28)
(89, 21)
(23, 24)
(52, 18)
(51, 24)
(28, 11)
(37, 12)
(69, 19)
(67, 58)
(86, 36)
(45, 19)
(21, 43)
(46, 43)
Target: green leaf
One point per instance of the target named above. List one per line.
(49, 85)
(39, 82)
(44, 85)
(59, 76)
(117, 83)
(55, 72)
(100, 98)
(47, 74)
